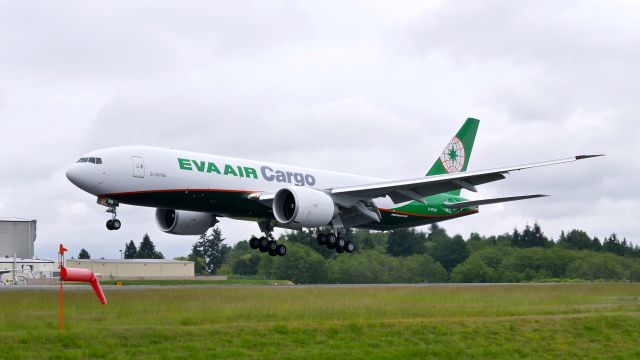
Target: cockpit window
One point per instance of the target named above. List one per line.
(93, 160)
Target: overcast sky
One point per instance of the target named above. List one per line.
(369, 87)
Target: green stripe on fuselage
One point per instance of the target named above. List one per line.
(414, 213)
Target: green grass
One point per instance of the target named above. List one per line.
(197, 282)
(534, 321)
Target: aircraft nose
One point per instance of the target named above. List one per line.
(73, 174)
(82, 176)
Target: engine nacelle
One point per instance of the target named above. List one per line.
(181, 222)
(303, 206)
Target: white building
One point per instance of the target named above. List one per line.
(19, 271)
(17, 237)
(136, 268)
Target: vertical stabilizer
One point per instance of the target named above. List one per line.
(455, 156)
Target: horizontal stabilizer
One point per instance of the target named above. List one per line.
(466, 204)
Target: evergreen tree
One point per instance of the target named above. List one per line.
(210, 248)
(537, 237)
(596, 245)
(527, 235)
(613, 245)
(405, 242)
(563, 238)
(576, 239)
(147, 249)
(366, 239)
(84, 254)
(516, 238)
(246, 263)
(450, 252)
(130, 250)
(301, 237)
(437, 233)
(474, 236)
(530, 237)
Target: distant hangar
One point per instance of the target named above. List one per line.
(17, 237)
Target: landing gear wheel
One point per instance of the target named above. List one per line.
(340, 242)
(272, 245)
(339, 249)
(349, 247)
(116, 224)
(331, 240)
(263, 242)
(272, 252)
(253, 243)
(109, 224)
(281, 250)
(322, 239)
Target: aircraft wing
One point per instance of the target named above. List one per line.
(417, 189)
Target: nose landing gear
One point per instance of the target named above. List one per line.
(112, 208)
(113, 224)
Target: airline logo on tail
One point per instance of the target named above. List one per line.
(453, 156)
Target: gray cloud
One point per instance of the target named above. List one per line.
(360, 87)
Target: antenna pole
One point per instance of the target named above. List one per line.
(60, 306)
(61, 252)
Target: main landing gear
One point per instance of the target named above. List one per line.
(335, 242)
(267, 243)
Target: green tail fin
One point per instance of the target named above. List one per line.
(455, 156)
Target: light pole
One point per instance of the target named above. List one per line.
(120, 254)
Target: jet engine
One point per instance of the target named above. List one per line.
(181, 222)
(303, 206)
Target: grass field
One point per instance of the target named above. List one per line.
(446, 321)
(195, 282)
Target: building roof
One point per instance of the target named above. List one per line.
(14, 219)
(135, 261)
(5, 259)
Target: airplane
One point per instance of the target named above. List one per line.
(190, 191)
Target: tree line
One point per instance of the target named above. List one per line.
(413, 256)
(409, 255)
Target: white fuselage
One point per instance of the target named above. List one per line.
(136, 169)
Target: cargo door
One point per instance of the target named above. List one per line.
(138, 166)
